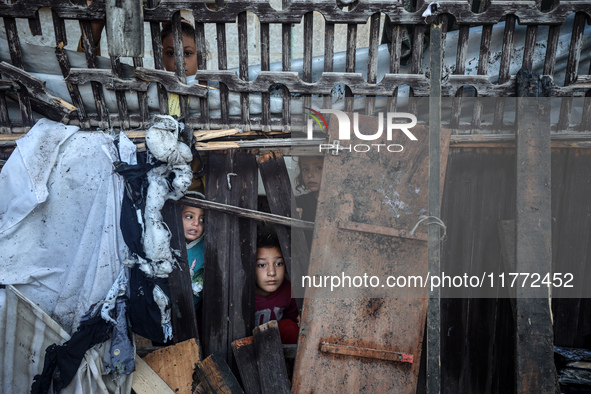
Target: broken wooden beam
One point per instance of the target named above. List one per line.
(270, 361)
(216, 376)
(44, 103)
(245, 356)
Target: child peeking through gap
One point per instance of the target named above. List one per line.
(194, 227)
(273, 291)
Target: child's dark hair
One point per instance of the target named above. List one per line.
(267, 237)
(300, 186)
(186, 28)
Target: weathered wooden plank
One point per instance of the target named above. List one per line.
(223, 65)
(216, 376)
(216, 290)
(574, 53)
(529, 46)
(168, 79)
(244, 354)
(146, 381)
(551, 49)
(176, 364)
(34, 89)
(184, 323)
(202, 65)
(372, 59)
(243, 247)
(35, 25)
(270, 361)
(535, 370)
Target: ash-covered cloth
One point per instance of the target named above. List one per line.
(60, 243)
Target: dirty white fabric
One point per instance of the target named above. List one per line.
(60, 243)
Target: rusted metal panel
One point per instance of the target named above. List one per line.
(359, 189)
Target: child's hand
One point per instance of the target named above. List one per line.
(300, 212)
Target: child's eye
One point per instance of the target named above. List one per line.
(188, 54)
(319, 168)
(279, 264)
(201, 220)
(189, 217)
(261, 265)
(170, 53)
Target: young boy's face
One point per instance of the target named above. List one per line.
(270, 270)
(311, 169)
(193, 222)
(189, 51)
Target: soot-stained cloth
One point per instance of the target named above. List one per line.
(60, 243)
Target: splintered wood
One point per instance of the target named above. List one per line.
(176, 365)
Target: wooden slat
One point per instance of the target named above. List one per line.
(184, 323)
(328, 58)
(271, 363)
(4, 118)
(243, 65)
(372, 59)
(574, 53)
(508, 38)
(286, 66)
(142, 97)
(176, 364)
(35, 24)
(461, 56)
(216, 376)
(16, 57)
(265, 66)
(551, 49)
(356, 351)
(120, 95)
(97, 90)
(245, 356)
(202, 65)
(529, 46)
(483, 59)
(223, 65)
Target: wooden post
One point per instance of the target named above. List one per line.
(216, 376)
(245, 356)
(535, 370)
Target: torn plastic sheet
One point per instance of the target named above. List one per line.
(60, 243)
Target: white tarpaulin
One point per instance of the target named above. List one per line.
(60, 243)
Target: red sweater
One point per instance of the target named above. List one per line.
(277, 306)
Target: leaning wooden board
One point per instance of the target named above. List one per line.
(364, 340)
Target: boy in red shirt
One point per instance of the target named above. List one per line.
(273, 291)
